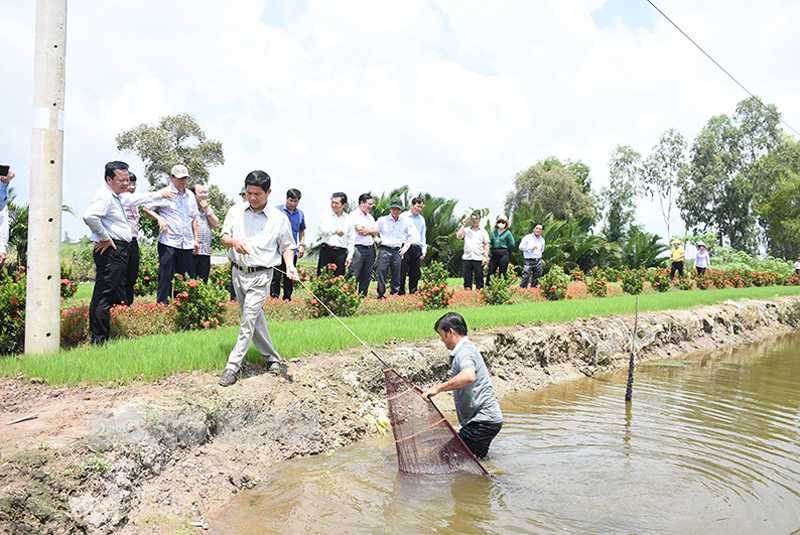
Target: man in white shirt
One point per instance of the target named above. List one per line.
(395, 231)
(532, 247)
(476, 251)
(361, 246)
(333, 234)
(111, 235)
(4, 180)
(177, 232)
(414, 252)
(258, 237)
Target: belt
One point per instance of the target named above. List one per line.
(250, 269)
(334, 247)
(394, 248)
(533, 259)
(364, 246)
(120, 242)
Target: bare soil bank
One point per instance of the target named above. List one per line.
(156, 458)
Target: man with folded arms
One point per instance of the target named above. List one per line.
(258, 237)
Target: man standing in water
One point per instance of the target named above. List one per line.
(477, 409)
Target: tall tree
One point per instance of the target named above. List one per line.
(619, 197)
(662, 172)
(554, 187)
(176, 139)
(719, 189)
(777, 200)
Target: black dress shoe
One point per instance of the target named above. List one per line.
(229, 377)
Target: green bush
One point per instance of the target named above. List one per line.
(147, 280)
(554, 284)
(684, 283)
(68, 287)
(82, 261)
(434, 290)
(12, 310)
(497, 290)
(198, 305)
(659, 278)
(220, 275)
(597, 287)
(632, 280)
(339, 293)
(75, 325)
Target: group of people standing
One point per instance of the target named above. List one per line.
(481, 249)
(348, 243)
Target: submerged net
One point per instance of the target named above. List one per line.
(426, 442)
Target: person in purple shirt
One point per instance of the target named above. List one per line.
(298, 222)
(177, 232)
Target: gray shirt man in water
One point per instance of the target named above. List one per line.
(477, 409)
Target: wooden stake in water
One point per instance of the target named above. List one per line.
(632, 364)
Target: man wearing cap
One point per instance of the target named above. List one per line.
(361, 247)
(177, 232)
(476, 250)
(298, 222)
(332, 230)
(395, 233)
(413, 252)
(676, 256)
(258, 236)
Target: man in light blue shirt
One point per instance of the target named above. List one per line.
(532, 247)
(177, 232)
(413, 253)
(395, 231)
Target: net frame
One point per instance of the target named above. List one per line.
(425, 440)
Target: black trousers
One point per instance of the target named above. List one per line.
(329, 255)
(677, 267)
(473, 268)
(498, 261)
(201, 266)
(278, 278)
(132, 273)
(112, 267)
(171, 260)
(411, 268)
(478, 436)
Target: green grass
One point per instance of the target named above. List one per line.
(84, 291)
(152, 357)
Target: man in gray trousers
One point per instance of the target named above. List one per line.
(258, 236)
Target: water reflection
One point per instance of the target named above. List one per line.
(708, 448)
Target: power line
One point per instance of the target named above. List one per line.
(723, 69)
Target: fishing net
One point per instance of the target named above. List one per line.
(426, 442)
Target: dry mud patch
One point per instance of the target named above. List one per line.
(155, 458)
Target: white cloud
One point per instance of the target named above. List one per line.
(451, 97)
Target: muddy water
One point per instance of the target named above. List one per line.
(708, 447)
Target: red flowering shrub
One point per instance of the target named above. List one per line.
(659, 279)
(198, 305)
(339, 293)
(598, 287)
(12, 311)
(434, 290)
(74, 325)
(554, 284)
(632, 280)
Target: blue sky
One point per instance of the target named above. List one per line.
(450, 97)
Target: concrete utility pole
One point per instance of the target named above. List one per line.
(42, 310)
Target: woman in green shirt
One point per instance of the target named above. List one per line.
(502, 243)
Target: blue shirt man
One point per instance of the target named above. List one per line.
(298, 223)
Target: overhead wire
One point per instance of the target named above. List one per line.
(723, 69)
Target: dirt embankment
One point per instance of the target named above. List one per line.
(155, 458)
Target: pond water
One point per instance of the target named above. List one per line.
(711, 446)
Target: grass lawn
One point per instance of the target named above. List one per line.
(151, 357)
